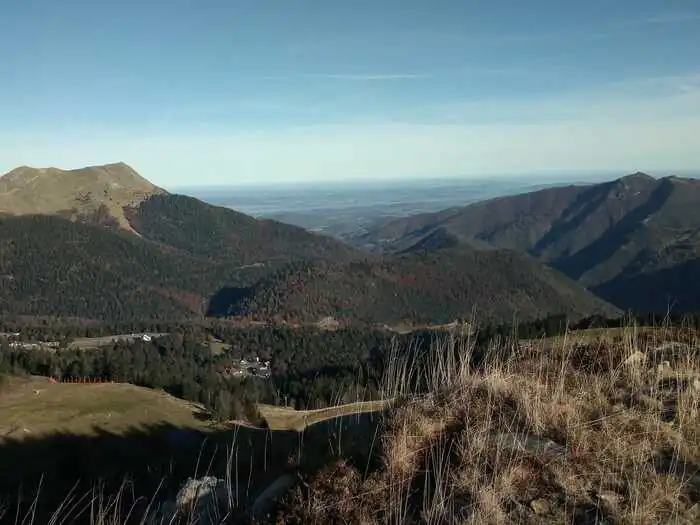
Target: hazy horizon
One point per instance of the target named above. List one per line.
(545, 177)
(347, 210)
(272, 92)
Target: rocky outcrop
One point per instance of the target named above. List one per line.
(204, 501)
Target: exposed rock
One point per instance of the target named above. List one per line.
(609, 497)
(540, 507)
(203, 501)
(679, 383)
(664, 367)
(528, 443)
(637, 358)
(328, 323)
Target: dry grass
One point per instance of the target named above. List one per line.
(600, 431)
(581, 430)
(28, 191)
(594, 335)
(32, 407)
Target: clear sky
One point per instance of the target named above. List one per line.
(256, 91)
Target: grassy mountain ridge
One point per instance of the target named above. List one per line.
(603, 235)
(77, 193)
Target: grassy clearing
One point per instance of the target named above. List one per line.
(129, 442)
(590, 335)
(282, 418)
(218, 348)
(35, 407)
(87, 343)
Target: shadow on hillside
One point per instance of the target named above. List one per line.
(156, 460)
(437, 240)
(606, 245)
(574, 216)
(221, 302)
(670, 288)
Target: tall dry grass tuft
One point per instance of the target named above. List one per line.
(570, 431)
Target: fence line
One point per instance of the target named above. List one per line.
(85, 380)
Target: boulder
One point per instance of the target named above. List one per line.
(540, 507)
(636, 358)
(204, 501)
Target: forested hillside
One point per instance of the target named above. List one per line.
(213, 232)
(423, 287)
(617, 238)
(151, 255)
(185, 259)
(51, 266)
(310, 368)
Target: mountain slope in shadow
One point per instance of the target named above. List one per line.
(127, 475)
(614, 237)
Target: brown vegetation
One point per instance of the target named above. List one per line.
(591, 433)
(597, 429)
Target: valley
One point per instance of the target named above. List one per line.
(189, 339)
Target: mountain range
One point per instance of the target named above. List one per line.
(102, 242)
(634, 241)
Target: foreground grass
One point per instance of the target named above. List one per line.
(589, 428)
(586, 432)
(138, 446)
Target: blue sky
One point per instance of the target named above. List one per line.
(267, 91)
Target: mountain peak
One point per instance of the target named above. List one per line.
(638, 175)
(24, 174)
(27, 190)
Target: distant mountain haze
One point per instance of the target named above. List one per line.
(628, 240)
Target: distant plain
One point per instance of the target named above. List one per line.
(348, 209)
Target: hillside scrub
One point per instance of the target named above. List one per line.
(586, 432)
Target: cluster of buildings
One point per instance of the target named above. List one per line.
(245, 367)
(13, 341)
